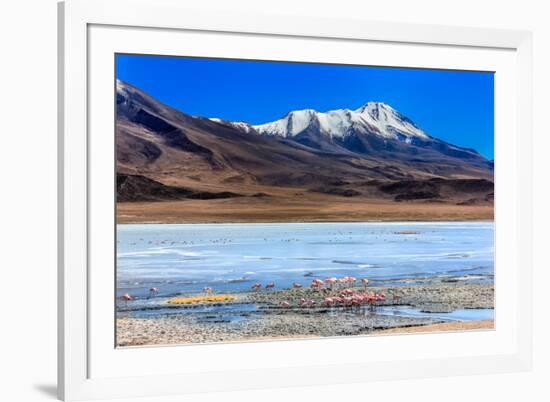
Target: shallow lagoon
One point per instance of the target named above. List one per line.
(231, 257)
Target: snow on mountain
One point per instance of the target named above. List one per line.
(122, 88)
(372, 118)
(241, 125)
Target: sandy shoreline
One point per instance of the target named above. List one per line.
(285, 210)
(443, 327)
(271, 321)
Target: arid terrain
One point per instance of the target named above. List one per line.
(318, 209)
(177, 168)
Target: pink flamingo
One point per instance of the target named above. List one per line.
(329, 301)
(257, 286)
(371, 300)
(365, 282)
(270, 285)
(380, 297)
(317, 284)
(126, 297)
(208, 290)
(331, 281)
(356, 301)
(348, 292)
(153, 292)
(285, 304)
(342, 281)
(296, 285)
(348, 300)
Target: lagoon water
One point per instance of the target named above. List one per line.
(183, 259)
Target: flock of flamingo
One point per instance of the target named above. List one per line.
(346, 297)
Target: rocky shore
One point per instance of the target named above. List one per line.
(264, 315)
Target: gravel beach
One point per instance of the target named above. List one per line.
(262, 315)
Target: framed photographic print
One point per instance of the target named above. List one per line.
(275, 194)
(342, 222)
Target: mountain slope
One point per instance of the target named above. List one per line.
(373, 129)
(340, 153)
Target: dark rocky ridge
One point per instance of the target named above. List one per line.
(136, 188)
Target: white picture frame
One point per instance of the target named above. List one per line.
(90, 366)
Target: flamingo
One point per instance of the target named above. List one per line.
(348, 292)
(330, 281)
(365, 282)
(329, 301)
(208, 290)
(257, 286)
(372, 301)
(342, 281)
(317, 284)
(153, 292)
(285, 304)
(126, 297)
(296, 285)
(270, 285)
(380, 297)
(347, 300)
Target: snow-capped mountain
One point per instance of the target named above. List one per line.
(374, 129)
(374, 118)
(240, 125)
(341, 152)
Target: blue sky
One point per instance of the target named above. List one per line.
(455, 106)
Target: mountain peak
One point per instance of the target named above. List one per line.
(378, 110)
(374, 118)
(369, 106)
(307, 112)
